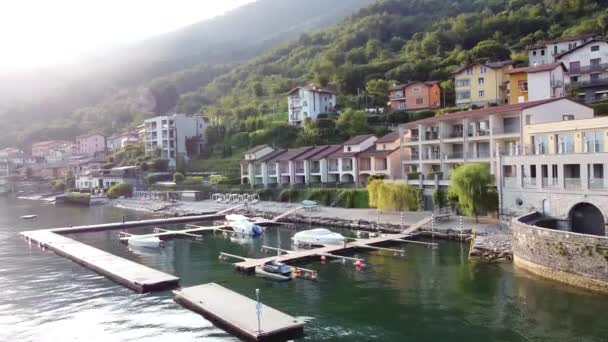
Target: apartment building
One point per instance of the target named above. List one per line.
(105, 179)
(90, 144)
(119, 141)
(481, 84)
(548, 50)
(309, 102)
(43, 148)
(561, 171)
(174, 136)
(534, 83)
(415, 96)
(343, 164)
(382, 158)
(251, 157)
(587, 69)
(434, 146)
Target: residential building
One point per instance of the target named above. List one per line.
(343, 164)
(74, 166)
(382, 158)
(174, 136)
(562, 165)
(289, 169)
(314, 171)
(438, 144)
(61, 152)
(43, 148)
(90, 144)
(141, 133)
(4, 177)
(119, 141)
(547, 51)
(252, 156)
(10, 152)
(481, 84)
(105, 179)
(587, 70)
(309, 102)
(415, 96)
(545, 81)
(322, 168)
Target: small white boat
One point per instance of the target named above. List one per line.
(242, 226)
(29, 217)
(318, 236)
(274, 270)
(98, 200)
(145, 241)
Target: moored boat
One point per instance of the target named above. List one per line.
(242, 226)
(145, 241)
(274, 270)
(318, 236)
(29, 217)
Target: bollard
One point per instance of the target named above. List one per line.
(258, 309)
(433, 228)
(461, 227)
(402, 220)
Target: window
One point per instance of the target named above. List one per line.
(567, 117)
(574, 79)
(522, 85)
(555, 49)
(595, 48)
(416, 89)
(594, 77)
(470, 71)
(575, 66)
(305, 103)
(463, 95)
(482, 69)
(419, 100)
(401, 105)
(480, 81)
(482, 93)
(462, 82)
(593, 141)
(540, 144)
(542, 52)
(528, 119)
(534, 53)
(595, 63)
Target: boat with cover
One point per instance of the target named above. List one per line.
(318, 236)
(241, 225)
(29, 217)
(145, 241)
(274, 270)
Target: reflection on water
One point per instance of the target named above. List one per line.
(430, 295)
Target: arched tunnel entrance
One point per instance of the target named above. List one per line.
(585, 218)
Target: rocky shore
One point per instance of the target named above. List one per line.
(493, 245)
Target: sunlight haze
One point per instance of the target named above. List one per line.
(38, 33)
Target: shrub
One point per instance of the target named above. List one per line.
(119, 190)
(193, 181)
(600, 108)
(218, 179)
(178, 177)
(322, 196)
(373, 188)
(58, 185)
(420, 199)
(391, 196)
(452, 199)
(439, 198)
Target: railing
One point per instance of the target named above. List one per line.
(413, 156)
(431, 156)
(347, 167)
(479, 155)
(456, 134)
(333, 167)
(480, 133)
(315, 169)
(588, 68)
(529, 182)
(572, 183)
(396, 96)
(455, 155)
(510, 182)
(431, 136)
(597, 184)
(549, 182)
(590, 83)
(413, 138)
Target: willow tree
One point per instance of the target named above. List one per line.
(473, 184)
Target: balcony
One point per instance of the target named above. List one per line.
(413, 138)
(412, 157)
(365, 164)
(454, 155)
(431, 156)
(455, 134)
(588, 69)
(347, 167)
(333, 166)
(396, 96)
(258, 170)
(600, 81)
(597, 184)
(510, 182)
(572, 183)
(529, 182)
(549, 183)
(431, 136)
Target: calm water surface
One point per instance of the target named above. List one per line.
(431, 295)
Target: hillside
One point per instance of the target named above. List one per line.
(106, 93)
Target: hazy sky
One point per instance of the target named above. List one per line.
(36, 33)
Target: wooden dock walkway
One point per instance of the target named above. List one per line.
(237, 313)
(249, 264)
(128, 273)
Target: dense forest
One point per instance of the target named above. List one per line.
(388, 41)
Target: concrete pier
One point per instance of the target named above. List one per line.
(237, 314)
(128, 273)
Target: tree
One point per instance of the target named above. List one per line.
(120, 190)
(178, 177)
(439, 198)
(351, 123)
(490, 50)
(472, 183)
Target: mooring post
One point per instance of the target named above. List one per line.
(461, 227)
(402, 220)
(378, 220)
(433, 227)
(258, 309)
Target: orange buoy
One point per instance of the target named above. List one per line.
(358, 264)
(297, 272)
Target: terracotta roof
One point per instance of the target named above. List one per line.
(373, 152)
(401, 86)
(311, 88)
(82, 136)
(312, 152)
(271, 155)
(578, 47)
(491, 65)
(358, 139)
(255, 149)
(544, 43)
(291, 154)
(480, 112)
(342, 154)
(390, 137)
(327, 152)
(538, 68)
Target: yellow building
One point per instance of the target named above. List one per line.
(481, 84)
(567, 137)
(517, 87)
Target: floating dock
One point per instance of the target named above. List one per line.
(237, 314)
(128, 273)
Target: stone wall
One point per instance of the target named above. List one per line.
(576, 259)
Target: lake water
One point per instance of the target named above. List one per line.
(430, 295)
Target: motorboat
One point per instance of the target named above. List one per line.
(29, 217)
(145, 241)
(98, 200)
(318, 236)
(241, 225)
(274, 270)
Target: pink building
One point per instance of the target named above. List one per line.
(43, 149)
(89, 144)
(382, 158)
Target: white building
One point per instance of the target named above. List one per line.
(588, 69)
(309, 102)
(105, 179)
(547, 51)
(119, 141)
(173, 136)
(90, 144)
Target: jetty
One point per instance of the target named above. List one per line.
(128, 273)
(238, 314)
(249, 264)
